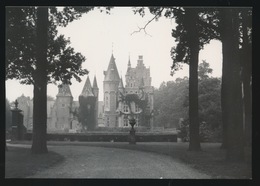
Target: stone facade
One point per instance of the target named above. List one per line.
(138, 81)
(63, 113)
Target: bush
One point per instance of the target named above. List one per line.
(184, 130)
(207, 134)
(108, 137)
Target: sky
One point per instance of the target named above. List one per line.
(97, 35)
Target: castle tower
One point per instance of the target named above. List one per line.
(138, 81)
(95, 90)
(87, 104)
(129, 63)
(63, 108)
(110, 83)
(121, 94)
(87, 89)
(128, 74)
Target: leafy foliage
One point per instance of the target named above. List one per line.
(207, 26)
(181, 52)
(207, 134)
(204, 70)
(86, 114)
(142, 103)
(171, 104)
(63, 62)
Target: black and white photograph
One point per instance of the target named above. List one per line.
(128, 92)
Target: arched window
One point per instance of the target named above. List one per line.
(126, 108)
(107, 105)
(125, 121)
(136, 108)
(106, 101)
(108, 121)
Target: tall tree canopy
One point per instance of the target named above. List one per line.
(233, 27)
(190, 34)
(21, 39)
(172, 104)
(36, 54)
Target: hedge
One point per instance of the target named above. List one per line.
(108, 137)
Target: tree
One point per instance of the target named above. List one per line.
(246, 63)
(36, 55)
(171, 102)
(191, 34)
(225, 25)
(232, 90)
(87, 112)
(204, 70)
(190, 23)
(40, 84)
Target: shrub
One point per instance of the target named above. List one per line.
(207, 134)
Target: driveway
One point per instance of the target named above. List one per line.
(100, 162)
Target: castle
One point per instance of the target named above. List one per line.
(66, 115)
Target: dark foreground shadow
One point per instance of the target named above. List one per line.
(20, 163)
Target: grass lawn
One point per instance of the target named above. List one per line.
(20, 163)
(211, 160)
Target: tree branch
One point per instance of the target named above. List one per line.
(208, 25)
(143, 28)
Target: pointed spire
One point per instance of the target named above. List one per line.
(112, 74)
(128, 66)
(121, 85)
(129, 63)
(87, 89)
(95, 82)
(64, 90)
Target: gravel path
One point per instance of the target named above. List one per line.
(99, 162)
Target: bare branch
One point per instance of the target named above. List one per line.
(143, 28)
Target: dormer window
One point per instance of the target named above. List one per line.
(125, 108)
(136, 108)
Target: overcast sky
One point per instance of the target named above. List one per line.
(96, 35)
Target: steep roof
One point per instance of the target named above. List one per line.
(64, 90)
(129, 63)
(112, 74)
(87, 89)
(121, 85)
(95, 83)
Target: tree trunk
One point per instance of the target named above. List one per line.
(246, 62)
(40, 85)
(233, 92)
(224, 101)
(193, 43)
(224, 88)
